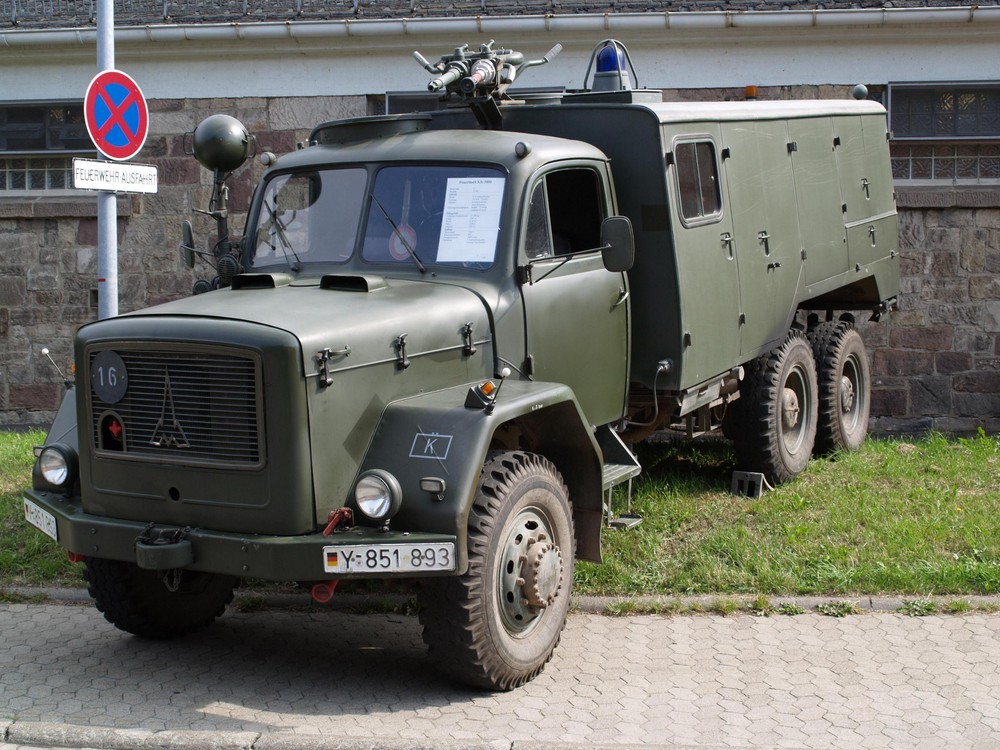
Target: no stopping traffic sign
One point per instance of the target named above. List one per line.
(116, 115)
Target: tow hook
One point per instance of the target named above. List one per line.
(163, 549)
(336, 518)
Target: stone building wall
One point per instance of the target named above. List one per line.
(935, 362)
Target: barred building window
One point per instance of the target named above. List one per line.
(37, 146)
(945, 132)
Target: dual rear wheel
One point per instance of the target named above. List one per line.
(809, 396)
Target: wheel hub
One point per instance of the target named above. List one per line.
(541, 572)
(789, 409)
(846, 394)
(530, 575)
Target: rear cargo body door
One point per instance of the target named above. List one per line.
(819, 200)
(706, 253)
(576, 311)
(761, 192)
(873, 236)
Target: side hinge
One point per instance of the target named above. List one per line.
(792, 147)
(524, 275)
(668, 159)
(529, 365)
(726, 153)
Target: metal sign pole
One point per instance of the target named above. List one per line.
(107, 208)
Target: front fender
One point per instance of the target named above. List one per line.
(63, 431)
(435, 435)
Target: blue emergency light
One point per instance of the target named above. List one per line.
(611, 69)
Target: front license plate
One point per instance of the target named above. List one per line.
(389, 558)
(40, 519)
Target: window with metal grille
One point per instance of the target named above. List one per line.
(37, 146)
(945, 132)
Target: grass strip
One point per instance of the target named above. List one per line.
(915, 518)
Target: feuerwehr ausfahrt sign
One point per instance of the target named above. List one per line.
(117, 120)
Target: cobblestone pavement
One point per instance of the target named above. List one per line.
(273, 679)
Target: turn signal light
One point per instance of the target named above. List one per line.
(480, 396)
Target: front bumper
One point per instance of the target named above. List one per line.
(276, 558)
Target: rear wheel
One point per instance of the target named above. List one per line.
(156, 603)
(844, 387)
(777, 420)
(496, 626)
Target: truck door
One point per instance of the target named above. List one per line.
(706, 257)
(575, 310)
(766, 227)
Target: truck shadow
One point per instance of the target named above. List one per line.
(699, 465)
(269, 669)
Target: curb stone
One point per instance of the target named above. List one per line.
(44, 734)
(20, 735)
(706, 604)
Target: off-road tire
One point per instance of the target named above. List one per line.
(844, 381)
(138, 601)
(479, 627)
(779, 411)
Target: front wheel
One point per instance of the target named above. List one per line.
(777, 428)
(496, 626)
(156, 603)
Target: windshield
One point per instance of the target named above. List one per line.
(439, 214)
(420, 215)
(310, 217)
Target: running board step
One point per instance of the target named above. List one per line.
(620, 466)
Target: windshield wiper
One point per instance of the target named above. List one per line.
(283, 242)
(402, 238)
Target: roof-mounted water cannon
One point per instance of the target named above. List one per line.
(480, 79)
(221, 144)
(608, 61)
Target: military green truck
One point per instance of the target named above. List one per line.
(427, 354)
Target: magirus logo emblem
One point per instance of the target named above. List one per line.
(168, 431)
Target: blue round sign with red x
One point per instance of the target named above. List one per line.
(116, 115)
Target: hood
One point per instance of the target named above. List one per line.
(363, 314)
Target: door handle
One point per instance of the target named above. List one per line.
(727, 240)
(764, 238)
(622, 296)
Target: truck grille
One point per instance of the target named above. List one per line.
(185, 406)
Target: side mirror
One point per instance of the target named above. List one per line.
(187, 244)
(617, 244)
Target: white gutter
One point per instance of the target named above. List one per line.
(583, 24)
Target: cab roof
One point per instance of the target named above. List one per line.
(370, 142)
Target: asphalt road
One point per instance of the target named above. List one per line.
(283, 679)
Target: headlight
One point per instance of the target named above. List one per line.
(377, 495)
(57, 465)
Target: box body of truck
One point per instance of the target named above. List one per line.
(744, 214)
